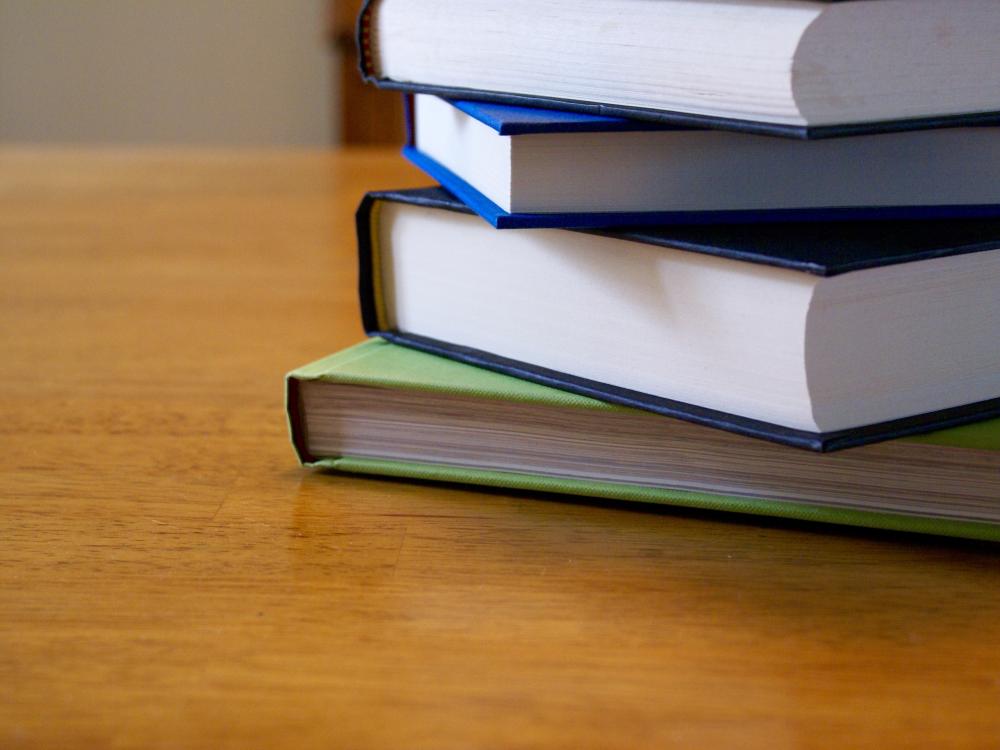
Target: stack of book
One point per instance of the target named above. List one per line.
(727, 254)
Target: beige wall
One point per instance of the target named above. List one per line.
(228, 72)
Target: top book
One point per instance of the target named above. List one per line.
(786, 67)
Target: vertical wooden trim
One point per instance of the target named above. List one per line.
(366, 114)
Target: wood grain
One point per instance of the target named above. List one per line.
(169, 577)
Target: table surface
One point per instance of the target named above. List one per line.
(170, 577)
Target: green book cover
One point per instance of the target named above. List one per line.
(378, 363)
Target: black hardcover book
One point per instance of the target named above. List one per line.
(805, 70)
(821, 336)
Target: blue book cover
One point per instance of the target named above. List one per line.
(508, 119)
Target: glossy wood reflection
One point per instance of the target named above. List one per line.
(170, 578)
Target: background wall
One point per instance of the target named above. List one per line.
(207, 72)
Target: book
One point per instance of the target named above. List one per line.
(803, 68)
(523, 167)
(821, 336)
(381, 409)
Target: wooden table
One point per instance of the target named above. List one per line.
(170, 578)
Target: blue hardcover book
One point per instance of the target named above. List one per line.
(803, 69)
(520, 167)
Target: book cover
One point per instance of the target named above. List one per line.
(380, 364)
(820, 249)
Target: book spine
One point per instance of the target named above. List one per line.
(369, 276)
(296, 420)
(363, 31)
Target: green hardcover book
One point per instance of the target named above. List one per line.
(383, 409)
